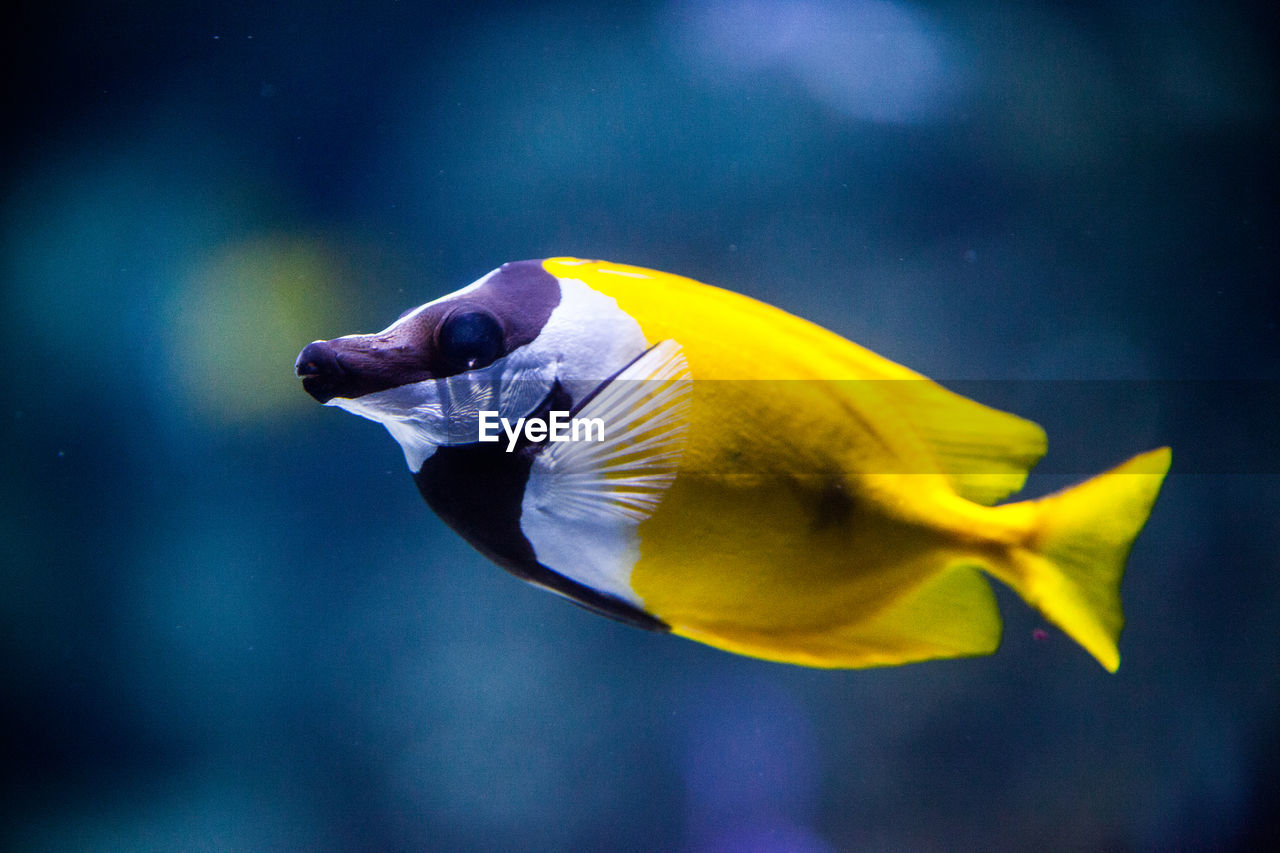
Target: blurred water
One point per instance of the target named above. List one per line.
(230, 623)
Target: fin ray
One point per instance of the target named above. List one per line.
(644, 410)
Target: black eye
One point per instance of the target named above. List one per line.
(468, 340)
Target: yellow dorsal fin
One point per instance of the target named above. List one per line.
(984, 453)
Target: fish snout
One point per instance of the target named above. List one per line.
(354, 365)
(320, 370)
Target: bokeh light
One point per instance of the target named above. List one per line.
(869, 60)
(236, 321)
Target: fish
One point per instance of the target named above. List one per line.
(756, 483)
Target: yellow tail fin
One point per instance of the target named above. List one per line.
(1071, 565)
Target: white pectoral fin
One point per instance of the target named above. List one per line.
(631, 433)
(585, 497)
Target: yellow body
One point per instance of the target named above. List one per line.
(831, 507)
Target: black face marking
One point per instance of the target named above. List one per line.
(477, 489)
(516, 299)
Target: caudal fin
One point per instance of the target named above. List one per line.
(1071, 565)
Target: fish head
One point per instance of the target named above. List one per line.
(501, 345)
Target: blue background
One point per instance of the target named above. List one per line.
(228, 621)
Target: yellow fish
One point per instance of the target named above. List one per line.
(688, 459)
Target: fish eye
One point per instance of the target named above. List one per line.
(468, 340)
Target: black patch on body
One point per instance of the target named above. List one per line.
(478, 489)
(833, 506)
(518, 296)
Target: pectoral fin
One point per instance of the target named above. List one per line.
(622, 473)
(585, 498)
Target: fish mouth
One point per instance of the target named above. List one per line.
(320, 370)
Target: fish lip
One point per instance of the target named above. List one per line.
(320, 392)
(320, 369)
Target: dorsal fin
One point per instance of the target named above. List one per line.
(984, 453)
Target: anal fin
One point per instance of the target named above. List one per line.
(952, 614)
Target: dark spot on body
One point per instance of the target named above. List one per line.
(833, 506)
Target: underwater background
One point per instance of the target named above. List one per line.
(230, 623)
